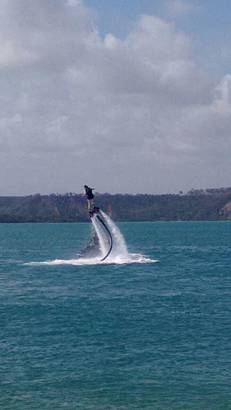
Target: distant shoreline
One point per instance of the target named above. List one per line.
(196, 205)
(118, 221)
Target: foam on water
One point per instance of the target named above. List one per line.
(133, 258)
(118, 255)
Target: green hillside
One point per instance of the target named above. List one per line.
(211, 204)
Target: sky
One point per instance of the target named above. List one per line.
(130, 96)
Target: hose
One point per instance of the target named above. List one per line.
(110, 236)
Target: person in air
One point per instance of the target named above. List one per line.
(90, 200)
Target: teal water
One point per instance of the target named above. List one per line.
(102, 337)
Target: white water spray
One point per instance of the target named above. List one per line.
(118, 255)
(104, 242)
(119, 249)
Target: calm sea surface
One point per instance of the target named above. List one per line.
(102, 337)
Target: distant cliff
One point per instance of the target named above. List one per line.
(211, 204)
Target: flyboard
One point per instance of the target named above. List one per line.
(97, 213)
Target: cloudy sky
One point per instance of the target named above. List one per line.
(125, 95)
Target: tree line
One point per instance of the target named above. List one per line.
(210, 204)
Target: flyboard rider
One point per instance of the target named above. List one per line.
(90, 200)
(94, 210)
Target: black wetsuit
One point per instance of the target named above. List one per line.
(90, 200)
(89, 193)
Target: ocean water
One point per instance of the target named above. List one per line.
(152, 334)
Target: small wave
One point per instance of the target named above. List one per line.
(131, 258)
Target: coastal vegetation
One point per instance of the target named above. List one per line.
(209, 204)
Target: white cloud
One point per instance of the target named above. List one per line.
(181, 7)
(13, 55)
(222, 102)
(132, 115)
